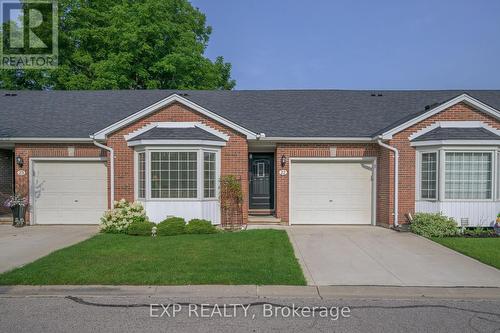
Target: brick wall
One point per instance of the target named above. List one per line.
(6, 177)
(458, 112)
(234, 156)
(27, 151)
(311, 150)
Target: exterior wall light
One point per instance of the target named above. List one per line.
(283, 161)
(19, 161)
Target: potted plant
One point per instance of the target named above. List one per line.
(17, 203)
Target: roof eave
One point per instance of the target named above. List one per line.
(465, 98)
(45, 140)
(316, 139)
(165, 102)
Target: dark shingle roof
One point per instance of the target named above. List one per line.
(191, 133)
(446, 133)
(277, 113)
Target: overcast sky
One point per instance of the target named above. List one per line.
(351, 44)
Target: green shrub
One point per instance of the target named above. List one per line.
(479, 232)
(140, 228)
(172, 226)
(118, 219)
(197, 226)
(433, 225)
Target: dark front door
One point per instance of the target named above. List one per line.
(261, 181)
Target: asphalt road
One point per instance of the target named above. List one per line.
(135, 314)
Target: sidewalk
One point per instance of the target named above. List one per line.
(252, 291)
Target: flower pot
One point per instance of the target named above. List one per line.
(18, 213)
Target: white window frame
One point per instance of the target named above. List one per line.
(418, 188)
(205, 151)
(200, 174)
(493, 172)
(137, 180)
(442, 150)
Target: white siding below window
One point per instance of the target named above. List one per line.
(157, 211)
(479, 213)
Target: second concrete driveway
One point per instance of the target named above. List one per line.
(344, 255)
(19, 246)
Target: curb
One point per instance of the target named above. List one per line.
(253, 291)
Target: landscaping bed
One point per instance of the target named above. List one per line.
(262, 257)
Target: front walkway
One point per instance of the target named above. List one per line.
(358, 255)
(19, 246)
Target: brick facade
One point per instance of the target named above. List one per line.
(234, 156)
(407, 154)
(6, 177)
(385, 164)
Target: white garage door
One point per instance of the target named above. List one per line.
(330, 192)
(69, 192)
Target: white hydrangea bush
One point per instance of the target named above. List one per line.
(118, 219)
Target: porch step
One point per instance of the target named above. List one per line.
(260, 212)
(263, 220)
(5, 219)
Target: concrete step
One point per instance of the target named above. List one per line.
(264, 220)
(261, 212)
(5, 219)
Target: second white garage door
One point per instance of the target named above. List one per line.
(69, 192)
(326, 192)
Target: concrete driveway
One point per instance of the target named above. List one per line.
(19, 246)
(355, 255)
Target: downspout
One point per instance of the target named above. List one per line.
(112, 167)
(396, 177)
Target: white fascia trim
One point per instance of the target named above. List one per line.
(462, 98)
(317, 139)
(204, 127)
(175, 142)
(164, 102)
(42, 140)
(454, 124)
(456, 142)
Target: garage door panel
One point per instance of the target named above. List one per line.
(69, 192)
(330, 193)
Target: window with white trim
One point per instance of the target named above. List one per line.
(209, 174)
(174, 175)
(141, 175)
(468, 175)
(428, 176)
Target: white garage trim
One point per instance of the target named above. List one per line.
(32, 162)
(372, 160)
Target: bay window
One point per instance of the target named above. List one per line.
(141, 175)
(209, 166)
(169, 174)
(173, 175)
(428, 182)
(468, 175)
(465, 175)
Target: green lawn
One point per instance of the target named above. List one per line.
(248, 257)
(486, 250)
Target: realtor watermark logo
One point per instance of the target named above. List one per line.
(29, 34)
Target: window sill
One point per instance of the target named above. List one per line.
(178, 200)
(459, 200)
